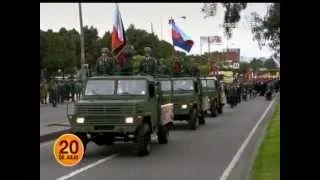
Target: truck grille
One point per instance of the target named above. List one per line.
(104, 114)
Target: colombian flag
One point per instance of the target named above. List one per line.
(118, 38)
(180, 38)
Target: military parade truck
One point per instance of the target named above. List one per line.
(211, 96)
(186, 94)
(121, 108)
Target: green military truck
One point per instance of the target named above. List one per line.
(186, 94)
(212, 100)
(121, 108)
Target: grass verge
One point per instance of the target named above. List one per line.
(267, 163)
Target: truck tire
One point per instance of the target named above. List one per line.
(213, 109)
(84, 140)
(143, 140)
(201, 119)
(220, 109)
(163, 134)
(193, 120)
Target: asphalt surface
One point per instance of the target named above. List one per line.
(203, 154)
(50, 115)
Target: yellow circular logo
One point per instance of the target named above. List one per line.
(68, 150)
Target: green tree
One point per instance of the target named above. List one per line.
(256, 64)
(244, 66)
(270, 64)
(92, 46)
(266, 30)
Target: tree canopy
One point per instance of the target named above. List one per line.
(61, 50)
(266, 29)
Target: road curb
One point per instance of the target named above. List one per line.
(54, 135)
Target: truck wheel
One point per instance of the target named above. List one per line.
(99, 140)
(163, 134)
(213, 109)
(193, 120)
(201, 119)
(84, 140)
(220, 109)
(143, 140)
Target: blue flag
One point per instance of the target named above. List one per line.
(180, 38)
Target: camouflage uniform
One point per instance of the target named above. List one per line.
(106, 64)
(149, 65)
(127, 64)
(53, 93)
(72, 89)
(60, 92)
(44, 92)
(163, 68)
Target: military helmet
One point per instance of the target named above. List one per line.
(147, 49)
(104, 50)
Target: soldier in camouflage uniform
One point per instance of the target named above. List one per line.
(149, 65)
(53, 93)
(195, 71)
(176, 66)
(106, 64)
(60, 92)
(163, 68)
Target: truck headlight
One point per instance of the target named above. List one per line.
(80, 120)
(129, 120)
(184, 106)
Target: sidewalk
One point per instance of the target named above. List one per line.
(53, 131)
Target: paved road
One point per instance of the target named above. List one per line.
(203, 154)
(50, 115)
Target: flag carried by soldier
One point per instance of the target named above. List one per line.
(180, 38)
(118, 38)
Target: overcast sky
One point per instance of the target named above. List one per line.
(56, 15)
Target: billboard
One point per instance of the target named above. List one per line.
(232, 54)
(210, 39)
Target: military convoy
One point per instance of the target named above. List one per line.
(133, 108)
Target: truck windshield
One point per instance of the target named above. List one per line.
(211, 84)
(183, 85)
(165, 85)
(132, 87)
(100, 87)
(204, 83)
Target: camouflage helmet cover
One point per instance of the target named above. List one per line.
(147, 49)
(104, 50)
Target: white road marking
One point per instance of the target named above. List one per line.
(245, 143)
(73, 173)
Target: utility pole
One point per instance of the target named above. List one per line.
(81, 37)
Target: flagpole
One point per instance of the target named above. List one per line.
(81, 37)
(161, 28)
